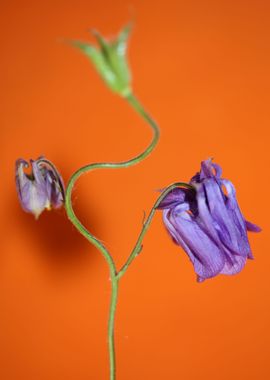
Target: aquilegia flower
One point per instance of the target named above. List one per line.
(205, 220)
(41, 189)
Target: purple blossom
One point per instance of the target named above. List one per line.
(205, 220)
(41, 189)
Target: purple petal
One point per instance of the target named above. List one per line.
(38, 175)
(218, 169)
(209, 169)
(252, 227)
(174, 197)
(207, 258)
(238, 219)
(54, 190)
(54, 183)
(235, 267)
(20, 176)
(32, 198)
(224, 223)
(206, 221)
(206, 169)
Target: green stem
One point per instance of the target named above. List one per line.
(83, 230)
(138, 246)
(91, 238)
(124, 164)
(114, 296)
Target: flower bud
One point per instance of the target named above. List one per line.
(110, 60)
(41, 189)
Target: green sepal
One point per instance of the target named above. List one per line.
(110, 60)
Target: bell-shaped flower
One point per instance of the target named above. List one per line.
(110, 60)
(42, 188)
(206, 221)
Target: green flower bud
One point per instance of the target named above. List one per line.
(109, 58)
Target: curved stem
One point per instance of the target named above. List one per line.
(123, 164)
(91, 238)
(138, 246)
(113, 165)
(83, 230)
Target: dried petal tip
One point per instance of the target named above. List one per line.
(40, 189)
(207, 223)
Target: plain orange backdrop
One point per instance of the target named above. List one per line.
(202, 69)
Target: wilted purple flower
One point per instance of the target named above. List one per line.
(41, 189)
(205, 220)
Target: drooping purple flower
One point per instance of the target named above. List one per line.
(41, 189)
(206, 221)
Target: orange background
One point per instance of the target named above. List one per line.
(202, 69)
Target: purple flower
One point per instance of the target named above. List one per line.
(205, 220)
(41, 189)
